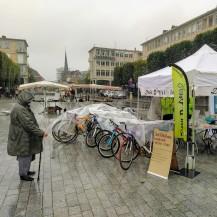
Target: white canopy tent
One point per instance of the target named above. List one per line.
(200, 68)
(43, 84)
(201, 71)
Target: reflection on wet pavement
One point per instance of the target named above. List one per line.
(76, 181)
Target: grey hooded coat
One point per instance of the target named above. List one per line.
(25, 136)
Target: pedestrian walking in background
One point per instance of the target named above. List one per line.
(25, 137)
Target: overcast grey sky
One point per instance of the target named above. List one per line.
(51, 26)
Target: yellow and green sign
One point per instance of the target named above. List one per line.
(180, 88)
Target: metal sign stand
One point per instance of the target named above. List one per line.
(189, 169)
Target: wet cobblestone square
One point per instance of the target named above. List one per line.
(76, 181)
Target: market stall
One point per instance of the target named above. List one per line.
(200, 69)
(44, 87)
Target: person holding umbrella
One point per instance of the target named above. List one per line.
(25, 137)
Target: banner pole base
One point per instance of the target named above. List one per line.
(189, 173)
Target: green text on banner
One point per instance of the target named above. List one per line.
(180, 88)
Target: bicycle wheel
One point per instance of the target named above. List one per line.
(213, 145)
(68, 132)
(56, 127)
(126, 153)
(136, 149)
(105, 144)
(121, 138)
(100, 134)
(90, 137)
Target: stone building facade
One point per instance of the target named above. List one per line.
(185, 31)
(102, 62)
(16, 50)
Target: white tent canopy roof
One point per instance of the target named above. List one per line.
(94, 86)
(200, 68)
(43, 84)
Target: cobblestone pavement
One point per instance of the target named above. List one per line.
(76, 181)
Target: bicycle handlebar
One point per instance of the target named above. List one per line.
(113, 123)
(125, 126)
(116, 125)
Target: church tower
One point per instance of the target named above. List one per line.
(66, 69)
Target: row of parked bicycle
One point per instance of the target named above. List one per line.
(117, 143)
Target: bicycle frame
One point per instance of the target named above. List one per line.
(114, 133)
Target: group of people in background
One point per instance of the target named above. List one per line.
(9, 93)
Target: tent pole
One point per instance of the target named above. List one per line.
(45, 99)
(193, 121)
(137, 102)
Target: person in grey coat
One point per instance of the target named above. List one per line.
(25, 136)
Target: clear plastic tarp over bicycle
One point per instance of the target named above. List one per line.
(142, 130)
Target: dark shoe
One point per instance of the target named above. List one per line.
(26, 178)
(31, 173)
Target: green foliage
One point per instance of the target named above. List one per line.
(140, 68)
(209, 37)
(128, 70)
(87, 78)
(177, 52)
(9, 72)
(156, 61)
(118, 76)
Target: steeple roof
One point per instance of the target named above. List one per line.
(66, 69)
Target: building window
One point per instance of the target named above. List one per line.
(126, 55)
(98, 62)
(210, 22)
(194, 28)
(189, 30)
(102, 72)
(107, 53)
(199, 25)
(97, 51)
(130, 55)
(4, 44)
(204, 23)
(23, 70)
(102, 63)
(183, 33)
(113, 53)
(21, 59)
(107, 63)
(155, 43)
(117, 54)
(107, 73)
(117, 64)
(112, 73)
(121, 54)
(97, 72)
(112, 63)
(20, 46)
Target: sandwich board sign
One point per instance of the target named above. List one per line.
(162, 153)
